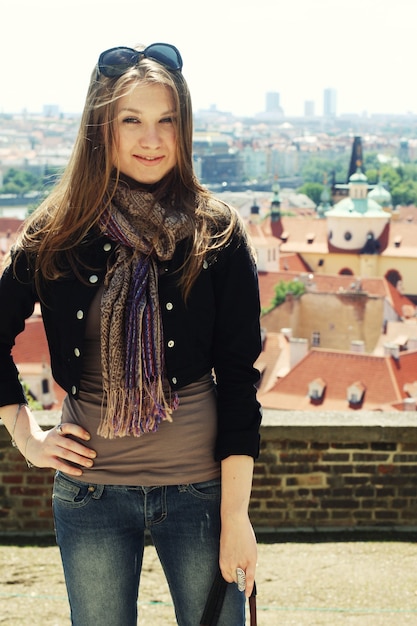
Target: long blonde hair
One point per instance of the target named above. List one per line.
(54, 231)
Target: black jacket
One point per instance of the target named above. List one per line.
(216, 328)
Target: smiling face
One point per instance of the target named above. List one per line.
(145, 132)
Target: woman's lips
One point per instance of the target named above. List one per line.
(149, 161)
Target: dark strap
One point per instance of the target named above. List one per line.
(215, 602)
(252, 606)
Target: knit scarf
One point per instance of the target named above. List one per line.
(137, 395)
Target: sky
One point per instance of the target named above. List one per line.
(234, 51)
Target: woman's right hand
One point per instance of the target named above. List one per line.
(55, 448)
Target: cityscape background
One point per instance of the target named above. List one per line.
(305, 121)
(327, 191)
(233, 53)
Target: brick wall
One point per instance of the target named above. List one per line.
(351, 471)
(25, 494)
(339, 471)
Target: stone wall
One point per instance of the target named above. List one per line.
(320, 472)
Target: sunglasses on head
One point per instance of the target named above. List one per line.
(116, 61)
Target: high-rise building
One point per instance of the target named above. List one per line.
(50, 110)
(272, 102)
(329, 102)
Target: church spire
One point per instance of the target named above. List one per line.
(356, 158)
(276, 202)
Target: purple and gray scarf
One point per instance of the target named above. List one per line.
(137, 396)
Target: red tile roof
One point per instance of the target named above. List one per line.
(293, 263)
(339, 370)
(403, 306)
(32, 347)
(405, 370)
(10, 225)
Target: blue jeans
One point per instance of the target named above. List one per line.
(100, 532)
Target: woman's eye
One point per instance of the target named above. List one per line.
(167, 120)
(130, 120)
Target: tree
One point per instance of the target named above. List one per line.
(282, 289)
(34, 405)
(372, 176)
(313, 191)
(404, 193)
(402, 183)
(317, 169)
(20, 182)
(371, 162)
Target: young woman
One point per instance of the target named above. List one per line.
(149, 297)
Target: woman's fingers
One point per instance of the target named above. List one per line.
(57, 449)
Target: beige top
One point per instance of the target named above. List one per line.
(180, 452)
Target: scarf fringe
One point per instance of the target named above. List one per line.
(136, 412)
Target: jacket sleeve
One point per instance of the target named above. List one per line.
(17, 302)
(237, 344)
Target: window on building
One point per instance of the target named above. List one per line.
(393, 277)
(315, 338)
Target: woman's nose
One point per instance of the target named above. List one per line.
(149, 136)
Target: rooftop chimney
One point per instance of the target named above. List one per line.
(409, 404)
(298, 350)
(392, 349)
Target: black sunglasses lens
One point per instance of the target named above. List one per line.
(117, 61)
(165, 54)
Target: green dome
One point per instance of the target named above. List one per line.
(353, 207)
(358, 177)
(381, 195)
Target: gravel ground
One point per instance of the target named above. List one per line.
(300, 583)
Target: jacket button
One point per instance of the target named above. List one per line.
(174, 380)
(77, 351)
(80, 315)
(107, 247)
(171, 343)
(73, 390)
(169, 306)
(93, 279)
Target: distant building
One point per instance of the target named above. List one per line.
(273, 102)
(222, 168)
(51, 110)
(273, 109)
(357, 224)
(404, 151)
(329, 103)
(361, 235)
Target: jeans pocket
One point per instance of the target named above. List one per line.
(207, 490)
(72, 493)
